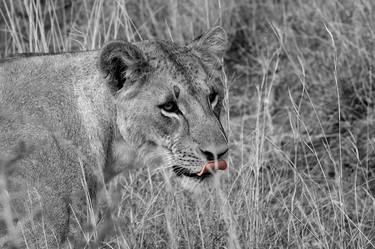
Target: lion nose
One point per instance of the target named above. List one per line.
(214, 153)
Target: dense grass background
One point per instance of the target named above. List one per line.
(299, 115)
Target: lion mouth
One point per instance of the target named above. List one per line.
(207, 170)
(181, 171)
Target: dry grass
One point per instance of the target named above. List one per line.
(299, 113)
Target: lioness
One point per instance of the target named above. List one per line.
(75, 113)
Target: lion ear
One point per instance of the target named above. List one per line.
(211, 46)
(123, 62)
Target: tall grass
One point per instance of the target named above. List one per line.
(299, 116)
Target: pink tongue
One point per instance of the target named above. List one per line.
(213, 165)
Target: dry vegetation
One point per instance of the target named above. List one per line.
(300, 118)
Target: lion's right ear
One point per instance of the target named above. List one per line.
(211, 46)
(123, 62)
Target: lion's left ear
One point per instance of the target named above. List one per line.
(123, 62)
(212, 45)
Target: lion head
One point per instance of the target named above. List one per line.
(168, 99)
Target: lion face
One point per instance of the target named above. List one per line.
(168, 101)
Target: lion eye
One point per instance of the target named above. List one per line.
(213, 98)
(169, 107)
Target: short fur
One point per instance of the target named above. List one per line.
(97, 113)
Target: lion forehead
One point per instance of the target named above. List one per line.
(180, 63)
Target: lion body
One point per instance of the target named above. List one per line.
(65, 117)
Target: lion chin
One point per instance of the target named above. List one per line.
(193, 185)
(197, 186)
